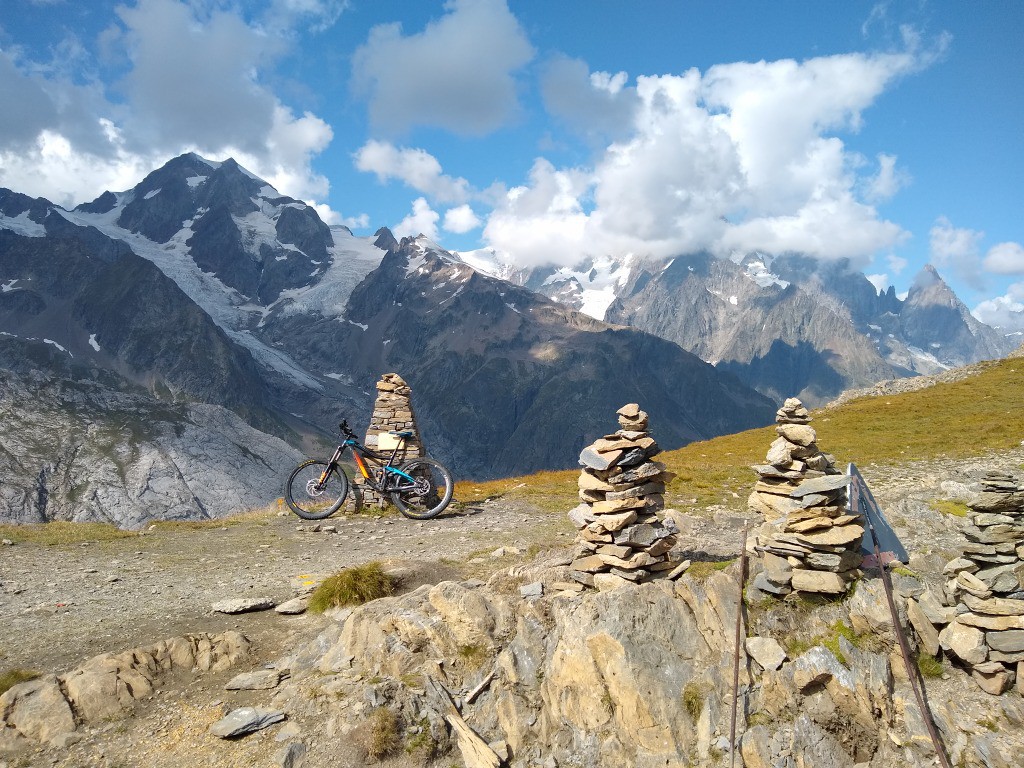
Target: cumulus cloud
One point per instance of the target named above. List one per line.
(460, 220)
(1005, 259)
(421, 221)
(958, 249)
(457, 74)
(192, 82)
(416, 168)
(743, 157)
(598, 104)
(1005, 312)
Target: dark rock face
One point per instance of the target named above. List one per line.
(934, 319)
(145, 327)
(506, 381)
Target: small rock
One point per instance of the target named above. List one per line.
(243, 605)
(536, 589)
(245, 720)
(291, 756)
(260, 680)
(294, 606)
(766, 651)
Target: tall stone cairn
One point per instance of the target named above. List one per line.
(985, 629)
(808, 542)
(391, 413)
(621, 539)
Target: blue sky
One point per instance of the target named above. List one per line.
(886, 133)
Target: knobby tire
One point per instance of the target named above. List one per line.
(315, 506)
(432, 497)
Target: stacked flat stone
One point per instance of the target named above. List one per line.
(621, 539)
(809, 542)
(392, 412)
(986, 587)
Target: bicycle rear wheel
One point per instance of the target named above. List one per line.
(431, 494)
(310, 500)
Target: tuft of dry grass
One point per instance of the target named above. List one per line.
(382, 737)
(352, 586)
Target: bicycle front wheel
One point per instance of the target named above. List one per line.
(310, 499)
(430, 495)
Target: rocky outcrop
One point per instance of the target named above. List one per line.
(621, 539)
(49, 709)
(810, 543)
(636, 676)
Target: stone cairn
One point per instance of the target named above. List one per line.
(621, 538)
(809, 542)
(391, 413)
(986, 588)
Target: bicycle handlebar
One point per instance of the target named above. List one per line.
(345, 429)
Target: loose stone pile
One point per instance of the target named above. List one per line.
(621, 538)
(809, 541)
(986, 587)
(391, 413)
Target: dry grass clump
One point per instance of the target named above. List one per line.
(380, 736)
(352, 586)
(929, 666)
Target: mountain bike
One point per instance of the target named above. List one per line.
(421, 488)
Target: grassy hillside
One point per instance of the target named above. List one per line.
(980, 414)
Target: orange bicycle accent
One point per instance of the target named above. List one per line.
(361, 464)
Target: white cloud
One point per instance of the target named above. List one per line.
(362, 221)
(1005, 259)
(457, 74)
(320, 14)
(958, 249)
(595, 104)
(460, 220)
(1005, 312)
(881, 282)
(888, 181)
(896, 263)
(422, 221)
(743, 157)
(414, 167)
(192, 82)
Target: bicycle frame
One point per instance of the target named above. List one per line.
(360, 453)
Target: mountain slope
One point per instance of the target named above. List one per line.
(96, 300)
(506, 380)
(770, 334)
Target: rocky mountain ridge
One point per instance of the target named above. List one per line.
(786, 325)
